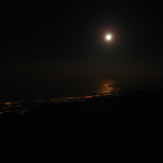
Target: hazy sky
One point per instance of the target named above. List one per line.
(58, 49)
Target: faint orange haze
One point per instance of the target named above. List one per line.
(107, 87)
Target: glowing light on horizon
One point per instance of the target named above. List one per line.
(108, 87)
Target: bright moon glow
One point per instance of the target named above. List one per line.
(108, 37)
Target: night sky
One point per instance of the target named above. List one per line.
(58, 49)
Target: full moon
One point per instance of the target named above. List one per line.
(108, 37)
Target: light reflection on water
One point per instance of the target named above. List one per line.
(103, 89)
(107, 87)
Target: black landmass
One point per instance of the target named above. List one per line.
(125, 124)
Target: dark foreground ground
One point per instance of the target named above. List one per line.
(100, 128)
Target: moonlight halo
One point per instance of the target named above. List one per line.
(108, 37)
